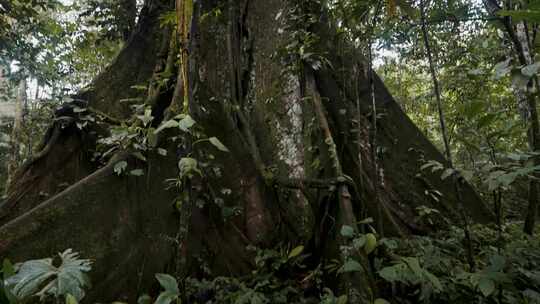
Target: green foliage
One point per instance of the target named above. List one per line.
(434, 269)
(273, 281)
(366, 242)
(301, 45)
(330, 298)
(120, 167)
(137, 137)
(45, 41)
(517, 166)
(436, 272)
(114, 19)
(171, 292)
(218, 144)
(182, 121)
(407, 270)
(18, 21)
(479, 74)
(428, 269)
(188, 167)
(528, 11)
(71, 299)
(41, 278)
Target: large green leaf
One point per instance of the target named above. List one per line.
(390, 273)
(531, 69)
(371, 243)
(217, 143)
(188, 166)
(120, 167)
(144, 299)
(342, 299)
(166, 297)
(296, 251)
(42, 278)
(486, 286)
(166, 125)
(170, 285)
(146, 118)
(30, 277)
(350, 266)
(71, 299)
(186, 123)
(168, 282)
(347, 231)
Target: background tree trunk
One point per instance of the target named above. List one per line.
(254, 96)
(17, 130)
(525, 97)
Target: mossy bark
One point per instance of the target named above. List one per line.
(248, 97)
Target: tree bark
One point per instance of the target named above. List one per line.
(245, 91)
(127, 16)
(17, 130)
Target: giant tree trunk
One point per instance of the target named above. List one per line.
(270, 109)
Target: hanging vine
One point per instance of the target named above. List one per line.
(184, 13)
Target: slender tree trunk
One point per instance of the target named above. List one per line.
(526, 100)
(436, 88)
(17, 130)
(448, 152)
(534, 145)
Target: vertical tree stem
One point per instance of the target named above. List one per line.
(436, 89)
